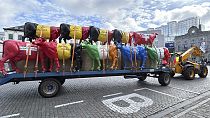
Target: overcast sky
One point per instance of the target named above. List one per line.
(127, 15)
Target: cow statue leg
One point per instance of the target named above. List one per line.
(57, 64)
(93, 64)
(126, 60)
(143, 55)
(12, 62)
(42, 58)
(99, 63)
(113, 52)
(2, 61)
(115, 62)
(111, 58)
(7, 55)
(78, 58)
(51, 65)
(60, 38)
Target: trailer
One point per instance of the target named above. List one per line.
(74, 57)
(51, 82)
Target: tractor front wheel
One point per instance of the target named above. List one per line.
(203, 72)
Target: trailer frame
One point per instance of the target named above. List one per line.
(52, 81)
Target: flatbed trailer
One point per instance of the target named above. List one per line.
(52, 81)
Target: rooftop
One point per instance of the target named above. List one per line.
(16, 28)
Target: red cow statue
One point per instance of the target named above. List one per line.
(140, 39)
(167, 56)
(15, 51)
(151, 38)
(49, 50)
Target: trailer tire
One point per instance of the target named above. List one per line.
(164, 79)
(172, 73)
(49, 88)
(204, 72)
(189, 73)
(143, 77)
(62, 81)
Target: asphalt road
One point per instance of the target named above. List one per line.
(105, 97)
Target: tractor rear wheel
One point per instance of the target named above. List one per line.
(189, 73)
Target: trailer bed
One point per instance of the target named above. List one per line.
(56, 79)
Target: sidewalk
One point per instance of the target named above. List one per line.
(197, 107)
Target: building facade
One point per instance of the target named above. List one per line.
(14, 33)
(175, 28)
(194, 36)
(184, 25)
(1, 36)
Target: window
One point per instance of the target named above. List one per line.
(10, 36)
(19, 37)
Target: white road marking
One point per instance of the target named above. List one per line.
(133, 107)
(158, 92)
(139, 89)
(8, 116)
(191, 108)
(186, 90)
(57, 106)
(112, 94)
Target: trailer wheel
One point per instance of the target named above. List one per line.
(62, 81)
(204, 72)
(189, 73)
(142, 77)
(164, 79)
(49, 88)
(172, 73)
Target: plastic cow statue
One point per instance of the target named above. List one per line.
(159, 54)
(14, 51)
(49, 50)
(110, 52)
(141, 39)
(128, 53)
(33, 31)
(67, 32)
(101, 35)
(77, 56)
(92, 51)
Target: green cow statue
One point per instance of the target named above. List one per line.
(92, 52)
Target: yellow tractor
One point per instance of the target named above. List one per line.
(187, 68)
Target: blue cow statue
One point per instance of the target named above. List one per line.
(141, 54)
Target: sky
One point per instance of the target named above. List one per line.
(126, 15)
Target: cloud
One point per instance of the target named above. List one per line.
(10, 9)
(177, 14)
(92, 7)
(127, 15)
